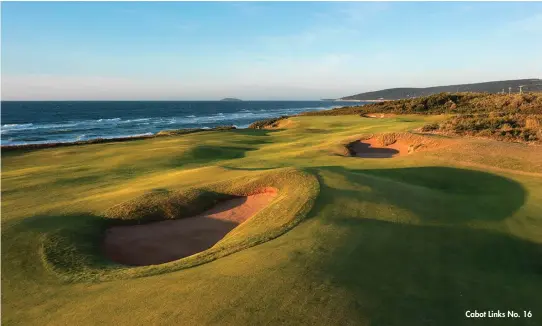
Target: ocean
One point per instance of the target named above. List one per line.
(35, 122)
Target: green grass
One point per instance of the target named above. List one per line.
(414, 240)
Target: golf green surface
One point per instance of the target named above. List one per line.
(417, 239)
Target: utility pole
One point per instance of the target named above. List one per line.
(521, 87)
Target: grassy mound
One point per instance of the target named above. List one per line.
(163, 205)
(515, 117)
(405, 141)
(74, 253)
(267, 123)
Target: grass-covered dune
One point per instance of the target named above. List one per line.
(416, 239)
(509, 117)
(450, 103)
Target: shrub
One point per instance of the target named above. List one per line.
(533, 122)
(529, 103)
(510, 127)
(506, 127)
(266, 123)
(430, 127)
(420, 108)
(387, 139)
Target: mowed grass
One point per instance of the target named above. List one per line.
(413, 240)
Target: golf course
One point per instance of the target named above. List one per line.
(325, 220)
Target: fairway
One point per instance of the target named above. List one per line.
(415, 234)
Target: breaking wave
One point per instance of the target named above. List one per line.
(107, 128)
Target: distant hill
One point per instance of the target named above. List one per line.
(531, 85)
(231, 99)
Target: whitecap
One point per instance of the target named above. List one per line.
(21, 126)
(136, 120)
(109, 120)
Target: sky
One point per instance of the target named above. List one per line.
(260, 50)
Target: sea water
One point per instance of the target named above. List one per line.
(35, 122)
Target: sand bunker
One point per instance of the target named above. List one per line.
(371, 148)
(394, 144)
(161, 242)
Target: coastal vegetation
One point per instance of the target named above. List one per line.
(497, 125)
(267, 123)
(515, 117)
(450, 224)
(448, 103)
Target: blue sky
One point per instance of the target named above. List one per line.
(260, 50)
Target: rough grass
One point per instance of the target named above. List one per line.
(514, 117)
(269, 123)
(500, 126)
(160, 205)
(449, 103)
(416, 240)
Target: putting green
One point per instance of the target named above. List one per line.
(414, 239)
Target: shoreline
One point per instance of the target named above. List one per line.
(7, 148)
(25, 134)
(162, 133)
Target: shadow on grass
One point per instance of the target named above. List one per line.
(255, 132)
(207, 154)
(437, 194)
(366, 150)
(400, 274)
(69, 242)
(74, 243)
(408, 274)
